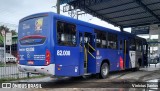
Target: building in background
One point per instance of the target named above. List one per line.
(13, 47)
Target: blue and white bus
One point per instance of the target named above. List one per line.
(56, 45)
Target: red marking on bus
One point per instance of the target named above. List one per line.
(30, 62)
(121, 62)
(32, 36)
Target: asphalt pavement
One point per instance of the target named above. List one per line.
(116, 81)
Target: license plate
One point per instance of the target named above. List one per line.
(30, 62)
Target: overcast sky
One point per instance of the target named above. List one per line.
(13, 10)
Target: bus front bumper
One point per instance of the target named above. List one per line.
(47, 70)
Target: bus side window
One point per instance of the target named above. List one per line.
(132, 45)
(138, 45)
(101, 41)
(98, 40)
(66, 34)
(112, 41)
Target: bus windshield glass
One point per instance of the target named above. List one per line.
(33, 31)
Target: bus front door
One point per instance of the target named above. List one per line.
(88, 52)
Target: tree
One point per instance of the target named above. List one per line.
(13, 32)
(1, 39)
(6, 30)
(2, 27)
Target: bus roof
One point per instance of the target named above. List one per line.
(79, 22)
(35, 15)
(94, 26)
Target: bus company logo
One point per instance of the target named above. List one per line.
(6, 85)
(98, 56)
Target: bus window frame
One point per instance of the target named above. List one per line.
(139, 44)
(131, 42)
(106, 38)
(109, 34)
(57, 44)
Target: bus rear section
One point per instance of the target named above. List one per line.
(33, 45)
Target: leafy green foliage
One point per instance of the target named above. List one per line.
(2, 27)
(13, 32)
(1, 39)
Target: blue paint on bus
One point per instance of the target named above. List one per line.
(41, 44)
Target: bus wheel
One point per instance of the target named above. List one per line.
(138, 64)
(136, 68)
(104, 70)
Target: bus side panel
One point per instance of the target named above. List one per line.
(132, 55)
(67, 61)
(110, 54)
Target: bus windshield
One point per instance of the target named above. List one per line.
(33, 31)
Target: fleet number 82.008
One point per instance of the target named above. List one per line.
(63, 53)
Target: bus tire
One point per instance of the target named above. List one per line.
(104, 71)
(137, 68)
(139, 64)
